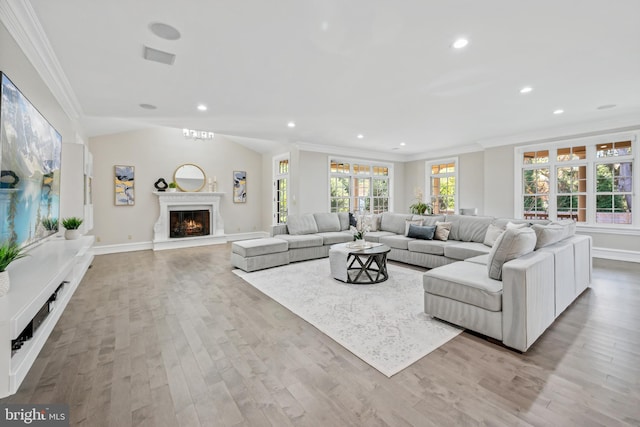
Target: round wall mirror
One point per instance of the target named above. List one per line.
(189, 177)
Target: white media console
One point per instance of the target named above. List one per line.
(34, 279)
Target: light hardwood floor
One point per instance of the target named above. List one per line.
(174, 338)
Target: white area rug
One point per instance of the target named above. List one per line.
(383, 324)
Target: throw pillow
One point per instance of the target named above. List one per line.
(442, 231)
(552, 233)
(353, 222)
(423, 232)
(411, 222)
(512, 244)
(516, 225)
(373, 221)
(493, 232)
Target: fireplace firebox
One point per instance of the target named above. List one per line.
(189, 223)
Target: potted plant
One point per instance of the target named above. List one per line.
(71, 226)
(172, 187)
(50, 224)
(9, 252)
(420, 207)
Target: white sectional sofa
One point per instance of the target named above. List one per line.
(489, 276)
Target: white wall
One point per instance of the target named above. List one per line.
(156, 153)
(471, 177)
(17, 67)
(498, 182)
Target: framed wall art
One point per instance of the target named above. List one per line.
(239, 186)
(124, 177)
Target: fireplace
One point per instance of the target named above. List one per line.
(189, 223)
(188, 219)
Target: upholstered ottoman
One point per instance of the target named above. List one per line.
(257, 254)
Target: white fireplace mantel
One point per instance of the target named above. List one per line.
(185, 201)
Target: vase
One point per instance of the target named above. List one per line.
(72, 234)
(4, 283)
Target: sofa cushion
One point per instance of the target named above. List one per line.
(424, 232)
(554, 232)
(394, 222)
(410, 222)
(396, 242)
(256, 247)
(512, 244)
(343, 217)
(326, 221)
(468, 228)
(302, 224)
(429, 219)
(443, 229)
(433, 247)
(480, 259)
(465, 282)
(333, 237)
(464, 250)
(374, 236)
(301, 240)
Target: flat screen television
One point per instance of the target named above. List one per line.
(30, 159)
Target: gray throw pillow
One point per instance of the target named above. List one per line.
(411, 222)
(552, 233)
(512, 244)
(423, 232)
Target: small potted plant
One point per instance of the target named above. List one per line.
(420, 207)
(71, 226)
(50, 224)
(9, 252)
(173, 187)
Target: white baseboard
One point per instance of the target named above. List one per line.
(144, 246)
(616, 254)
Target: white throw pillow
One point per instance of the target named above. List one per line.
(493, 232)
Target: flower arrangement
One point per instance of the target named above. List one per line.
(362, 227)
(420, 207)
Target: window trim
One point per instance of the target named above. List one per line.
(364, 162)
(275, 175)
(591, 161)
(428, 175)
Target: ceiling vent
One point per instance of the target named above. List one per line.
(156, 55)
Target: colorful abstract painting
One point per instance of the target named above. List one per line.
(239, 186)
(124, 185)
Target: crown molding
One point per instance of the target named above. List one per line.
(622, 123)
(352, 152)
(446, 152)
(23, 24)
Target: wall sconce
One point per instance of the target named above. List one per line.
(197, 134)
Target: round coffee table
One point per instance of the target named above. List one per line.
(367, 266)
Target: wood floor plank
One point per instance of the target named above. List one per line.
(174, 338)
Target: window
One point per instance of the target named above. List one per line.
(590, 181)
(358, 186)
(443, 178)
(280, 189)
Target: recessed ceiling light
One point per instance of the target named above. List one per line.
(559, 111)
(202, 107)
(291, 124)
(360, 136)
(164, 31)
(148, 106)
(526, 89)
(460, 43)
(402, 144)
(607, 106)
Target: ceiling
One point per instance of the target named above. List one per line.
(338, 68)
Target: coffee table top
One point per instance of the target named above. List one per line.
(373, 250)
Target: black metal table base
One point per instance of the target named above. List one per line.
(368, 268)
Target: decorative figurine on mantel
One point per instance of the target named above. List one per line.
(213, 185)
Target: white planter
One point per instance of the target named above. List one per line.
(171, 190)
(4, 283)
(71, 234)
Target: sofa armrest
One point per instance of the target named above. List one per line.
(528, 299)
(279, 229)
